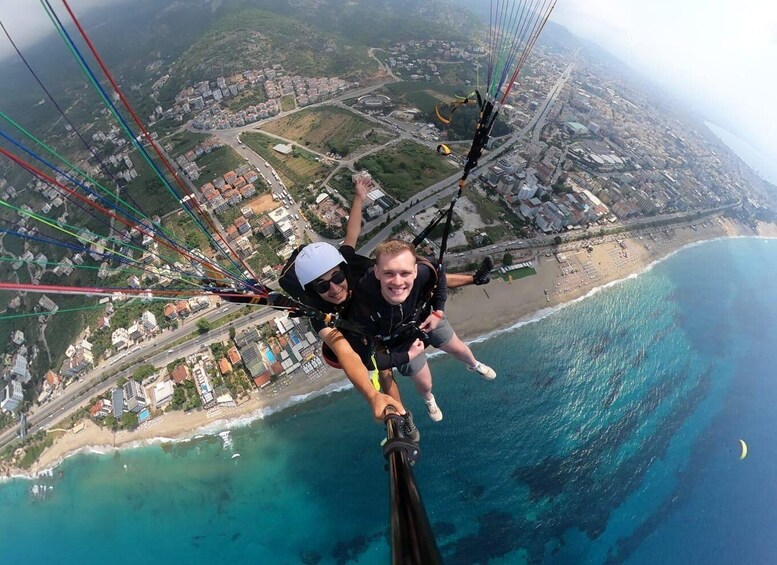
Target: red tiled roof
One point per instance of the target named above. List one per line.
(52, 378)
(263, 379)
(180, 374)
(224, 366)
(234, 355)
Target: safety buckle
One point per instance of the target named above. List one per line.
(330, 320)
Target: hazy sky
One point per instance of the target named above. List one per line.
(26, 20)
(719, 54)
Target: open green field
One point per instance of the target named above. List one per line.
(515, 275)
(187, 234)
(328, 128)
(406, 168)
(343, 184)
(297, 169)
(148, 190)
(424, 95)
(488, 210)
(266, 249)
(288, 103)
(218, 162)
(185, 141)
(249, 97)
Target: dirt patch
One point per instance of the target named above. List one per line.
(468, 212)
(424, 218)
(457, 239)
(262, 203)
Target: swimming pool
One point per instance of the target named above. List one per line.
(269, 355)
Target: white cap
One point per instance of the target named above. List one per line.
(316, 259)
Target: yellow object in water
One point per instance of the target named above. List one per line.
(744, 449)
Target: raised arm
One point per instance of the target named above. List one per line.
(358, 374)
(354, 226)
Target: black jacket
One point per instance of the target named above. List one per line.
(395, 327)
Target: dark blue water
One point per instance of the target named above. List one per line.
(610, 435)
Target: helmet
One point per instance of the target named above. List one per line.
(316, 259)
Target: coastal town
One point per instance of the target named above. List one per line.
(590, 181)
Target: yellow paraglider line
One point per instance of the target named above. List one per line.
(744, 449)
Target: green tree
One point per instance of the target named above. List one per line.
(142, 372)
(507, 260)
(179, 397)
(557, 240)
(192, 239)
(122, 381)
(203, 326)
(232, 333)
(110, 422)
(129, 421)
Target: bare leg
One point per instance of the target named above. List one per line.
(423, 382)
(388, 385)
(459, 350)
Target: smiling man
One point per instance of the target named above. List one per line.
(405, 301)
(322, 271)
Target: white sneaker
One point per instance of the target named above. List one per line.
(433, 410)
(483, 370)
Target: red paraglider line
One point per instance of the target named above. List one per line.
(147, 135)
(108, 291)
(40, 174)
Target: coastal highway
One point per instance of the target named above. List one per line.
(154, 352)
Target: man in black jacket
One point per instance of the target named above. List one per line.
(405, 300)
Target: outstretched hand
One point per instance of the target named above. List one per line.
(363, 187)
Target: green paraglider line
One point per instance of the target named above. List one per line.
(60, 311)
(61, 228)
(232, 256)
(83, 174)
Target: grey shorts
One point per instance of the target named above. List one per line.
(439, 336)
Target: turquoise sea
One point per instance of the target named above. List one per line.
(611, 435)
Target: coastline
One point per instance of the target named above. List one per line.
(501, 305)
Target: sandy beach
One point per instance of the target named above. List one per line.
(182, 425)
(498, 305)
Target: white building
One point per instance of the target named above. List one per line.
(163, 393)
(11, 397)
(282, 220)
(120, 339)
(135, 331)
(19, 369)
(149, 321)
(134, 396)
